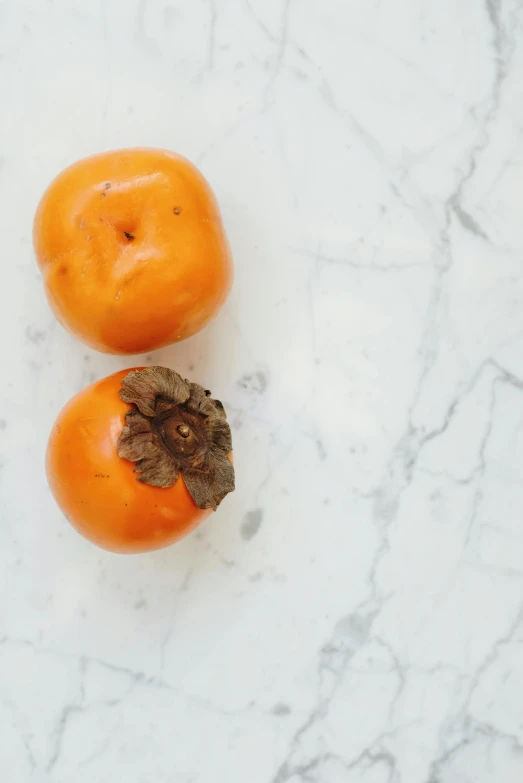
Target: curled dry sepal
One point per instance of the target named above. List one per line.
(176, 427)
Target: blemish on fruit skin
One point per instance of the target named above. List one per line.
(177, 210)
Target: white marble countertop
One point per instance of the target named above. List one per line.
(354, 612)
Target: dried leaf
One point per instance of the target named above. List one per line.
(223, 478)
(200, 487)
(135, 447)
(200, 401)
(221, 435)
(158, 470)
(142, 387)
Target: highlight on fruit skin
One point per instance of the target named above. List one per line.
(139, 459)
(132, 250)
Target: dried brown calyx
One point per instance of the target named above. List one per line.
(176, 427)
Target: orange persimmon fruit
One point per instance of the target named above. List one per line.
(132, 250)
(139, 459)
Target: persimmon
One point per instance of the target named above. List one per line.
(132, 250)
(139, 459)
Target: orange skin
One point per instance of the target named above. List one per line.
(98, 491)
(132, 250)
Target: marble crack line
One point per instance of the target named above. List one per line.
(372, 757)
(336, 654)
(492, 656)
(338, 651)
(263, 27)
(321, 258)
(427, 214)
(299, 50)
(434, 222)
(105, 745)
(282, 48)
(510, 379)
(68, 710)
(462, 715)
(169, 634)
(212, 33)
(410, 446)
(349, 635)
(78, 708)
(138, 678)
(25, 740)
(503, 52)
(479, 469)
(404, 464)
(474, 730)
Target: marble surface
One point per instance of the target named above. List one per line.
(354, 613)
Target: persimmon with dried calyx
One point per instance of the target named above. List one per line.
(139, 459)
(132, 250)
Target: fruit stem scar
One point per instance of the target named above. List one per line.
(184, 431)
(129, 236)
